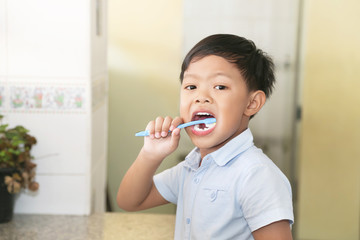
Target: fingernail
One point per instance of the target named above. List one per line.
(176, 131)
(163, 134)
(157, 135)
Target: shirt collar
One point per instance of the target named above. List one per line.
(233, 148)
(192, 160)
(223, 155)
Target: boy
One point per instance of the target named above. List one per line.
(226, 188)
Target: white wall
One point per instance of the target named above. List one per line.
(99, 102)
(52, 65)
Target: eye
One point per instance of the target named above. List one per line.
(190, 87)
(220, 87)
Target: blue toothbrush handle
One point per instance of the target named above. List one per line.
(188, 124)
(184, 125)
(142, 133)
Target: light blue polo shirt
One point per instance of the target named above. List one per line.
(236, 191)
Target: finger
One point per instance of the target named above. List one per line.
(176, 122)
(158, 126)
(151, 128)
(166, 126)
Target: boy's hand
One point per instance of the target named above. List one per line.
(137, 190)
(160, 143)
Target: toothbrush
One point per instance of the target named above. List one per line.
(184, 125)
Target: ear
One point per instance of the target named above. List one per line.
(257, 99)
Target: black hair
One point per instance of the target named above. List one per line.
(256, 67)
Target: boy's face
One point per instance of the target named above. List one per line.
(213, 87)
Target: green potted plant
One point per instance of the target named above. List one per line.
(16, 167)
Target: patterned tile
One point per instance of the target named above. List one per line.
(47, 98)
(2, 97)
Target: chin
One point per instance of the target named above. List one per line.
(205, 144)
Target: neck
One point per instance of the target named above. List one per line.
(204, 152)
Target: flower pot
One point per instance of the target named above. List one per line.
(6, 199)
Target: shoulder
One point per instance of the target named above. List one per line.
(264, 192)
(254, 161)
(260, 171)
(173, 172)
(170, 182)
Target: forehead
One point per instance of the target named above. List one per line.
(211, 64)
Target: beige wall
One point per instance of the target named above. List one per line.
(144, 65)
(330, 143)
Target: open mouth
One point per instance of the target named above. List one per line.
(202, 128)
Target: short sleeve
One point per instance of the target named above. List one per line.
(266, 197)
(168, 183)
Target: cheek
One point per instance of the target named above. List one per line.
(232, 108)
(184, 107)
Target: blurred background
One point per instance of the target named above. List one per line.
(308, 128)
(84, 76)
(147, 43)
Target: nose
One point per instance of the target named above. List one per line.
(202, 100)
(203, 97)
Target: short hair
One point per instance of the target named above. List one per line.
(256, 66)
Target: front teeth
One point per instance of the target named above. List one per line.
(207, 126)
(203, 114)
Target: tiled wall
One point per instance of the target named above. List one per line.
(53, 81)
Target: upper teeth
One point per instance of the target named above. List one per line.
(203, 114)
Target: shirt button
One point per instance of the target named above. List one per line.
(196, 180)
(188, 221)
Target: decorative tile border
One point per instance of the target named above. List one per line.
(2, 97)
(47, 98)
(44, 98)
